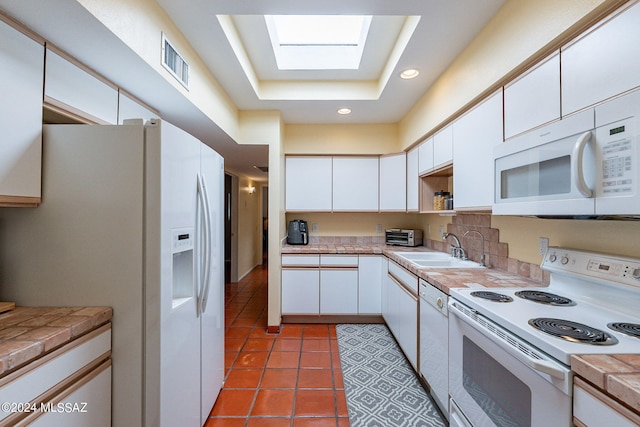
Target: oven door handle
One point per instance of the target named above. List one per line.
(546, 367)
(538, 365)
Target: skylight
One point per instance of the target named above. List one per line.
(318, 42)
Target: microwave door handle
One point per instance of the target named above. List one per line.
(577, 164)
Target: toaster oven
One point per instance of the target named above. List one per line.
(403, 237)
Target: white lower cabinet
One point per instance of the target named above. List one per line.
(370, 274)
(69, 387)
(593, 408)
(300, 290)
(88, 403)
(338, 291)
(402, 310)
(319, 284)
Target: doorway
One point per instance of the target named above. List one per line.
(228, 199)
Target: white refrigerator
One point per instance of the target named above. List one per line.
(131, 217)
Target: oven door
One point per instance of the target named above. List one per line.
(495, 379)
(550, 171)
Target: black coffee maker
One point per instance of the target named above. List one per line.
(298, 233)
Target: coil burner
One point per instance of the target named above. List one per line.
(492, 296)
(545, 298)
(572, 331)
(631, 329)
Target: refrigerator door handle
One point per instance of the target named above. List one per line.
(203, 229)
(209, 241)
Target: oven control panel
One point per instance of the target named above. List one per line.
(597, 266)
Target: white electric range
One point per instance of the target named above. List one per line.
(525, 337)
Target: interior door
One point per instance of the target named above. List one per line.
(228, 199)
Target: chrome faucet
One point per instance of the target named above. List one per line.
(482, 255)
(456, 250)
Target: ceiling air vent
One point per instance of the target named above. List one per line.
(174, 62)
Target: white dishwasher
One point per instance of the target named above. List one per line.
(434, 343)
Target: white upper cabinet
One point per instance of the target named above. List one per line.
(355, 184)
(393, 182)
(412, 180)
(474, 136)
(425, 156)
(71, 89)
(534, 98)
(604, 62)
(21, 78)
(443, 147)
(308, 183)
(129, 108)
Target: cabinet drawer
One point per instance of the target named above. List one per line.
(339, 260)
(28, 383)
(593, 408)
(300, 260)
(86, 402)
(406, 278)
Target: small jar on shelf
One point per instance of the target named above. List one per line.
(439, 198)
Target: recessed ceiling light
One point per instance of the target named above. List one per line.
(409, 73)
(344, 111)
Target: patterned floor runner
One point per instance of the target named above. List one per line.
(381, 387)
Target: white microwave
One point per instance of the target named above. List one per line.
(583, 165)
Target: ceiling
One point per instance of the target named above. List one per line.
(422, 34)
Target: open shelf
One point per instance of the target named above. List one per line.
(440, 179)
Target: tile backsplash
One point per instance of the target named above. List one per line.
(496, 252)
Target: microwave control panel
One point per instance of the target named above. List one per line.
(616, 148)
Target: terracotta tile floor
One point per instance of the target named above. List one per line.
(288, 379)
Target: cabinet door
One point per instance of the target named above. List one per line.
(403, 320)
(385, 289)
(338, 291)
(443, 147)
(72, 89)
(390, 306)
(425, 156)
(602, 63)
(393, 182)
(308, 183)
(88, 404)
(300, 291)
(412, 180)
(128, 108)
(355, 184)
(408, 325)
(533, 99)
(370, 276)
(475, 135)
(21, 79)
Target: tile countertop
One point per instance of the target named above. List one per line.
(28, 333)
(441, 279)
(616, 375)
